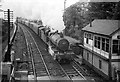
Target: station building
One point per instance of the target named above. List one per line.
(101, 50)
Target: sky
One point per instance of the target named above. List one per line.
(49, 11)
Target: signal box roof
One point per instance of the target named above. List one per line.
(105, 27)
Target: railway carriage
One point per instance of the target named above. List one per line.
(41, 33)
(34, 27)
(30, 25)
(19, 20)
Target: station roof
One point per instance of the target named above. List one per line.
(103, 26)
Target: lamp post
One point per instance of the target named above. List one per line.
(64, 10)
(64, 4)
(64, 18)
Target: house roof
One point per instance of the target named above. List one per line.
(105, 27)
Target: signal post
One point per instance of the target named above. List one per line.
(7, 64)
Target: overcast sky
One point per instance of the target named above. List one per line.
(50, 11)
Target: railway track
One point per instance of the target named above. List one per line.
(80, 69)
(72, 72)
(42, 64)
(38, 67)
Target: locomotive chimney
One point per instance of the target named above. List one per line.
(90, 21)
(61, 35)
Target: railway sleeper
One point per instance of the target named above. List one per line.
(71, 72)
(36, 54)
(36, 57)
(38, 61)
(42, 73)
(30, 73)
(39, 75)
(39, 66)
(40, 69)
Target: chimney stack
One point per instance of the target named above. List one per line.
(90, 24)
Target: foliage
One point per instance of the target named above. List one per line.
(105, 10)
(83, 13)
(74, 15)
(5, 29)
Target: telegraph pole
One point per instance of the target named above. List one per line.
(64, 18)
(8, 16)
(64, 4)
(8, 56)
(6, 64)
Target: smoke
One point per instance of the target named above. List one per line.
(49, 11)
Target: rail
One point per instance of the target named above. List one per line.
(30, 53)
(74, 73)
(40, 56)
(80, 73)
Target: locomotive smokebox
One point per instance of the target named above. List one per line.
(60, 42)
(63, 44)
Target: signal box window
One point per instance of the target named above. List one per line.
(105, 44)
(97, 42)
(116, 47)
(87, 40)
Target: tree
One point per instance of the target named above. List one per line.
(104, 10)
(74, 15)
(83, 13)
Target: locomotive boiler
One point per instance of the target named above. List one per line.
(59, 41)
(60, 48)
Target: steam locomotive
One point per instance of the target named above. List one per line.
(58, 46)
